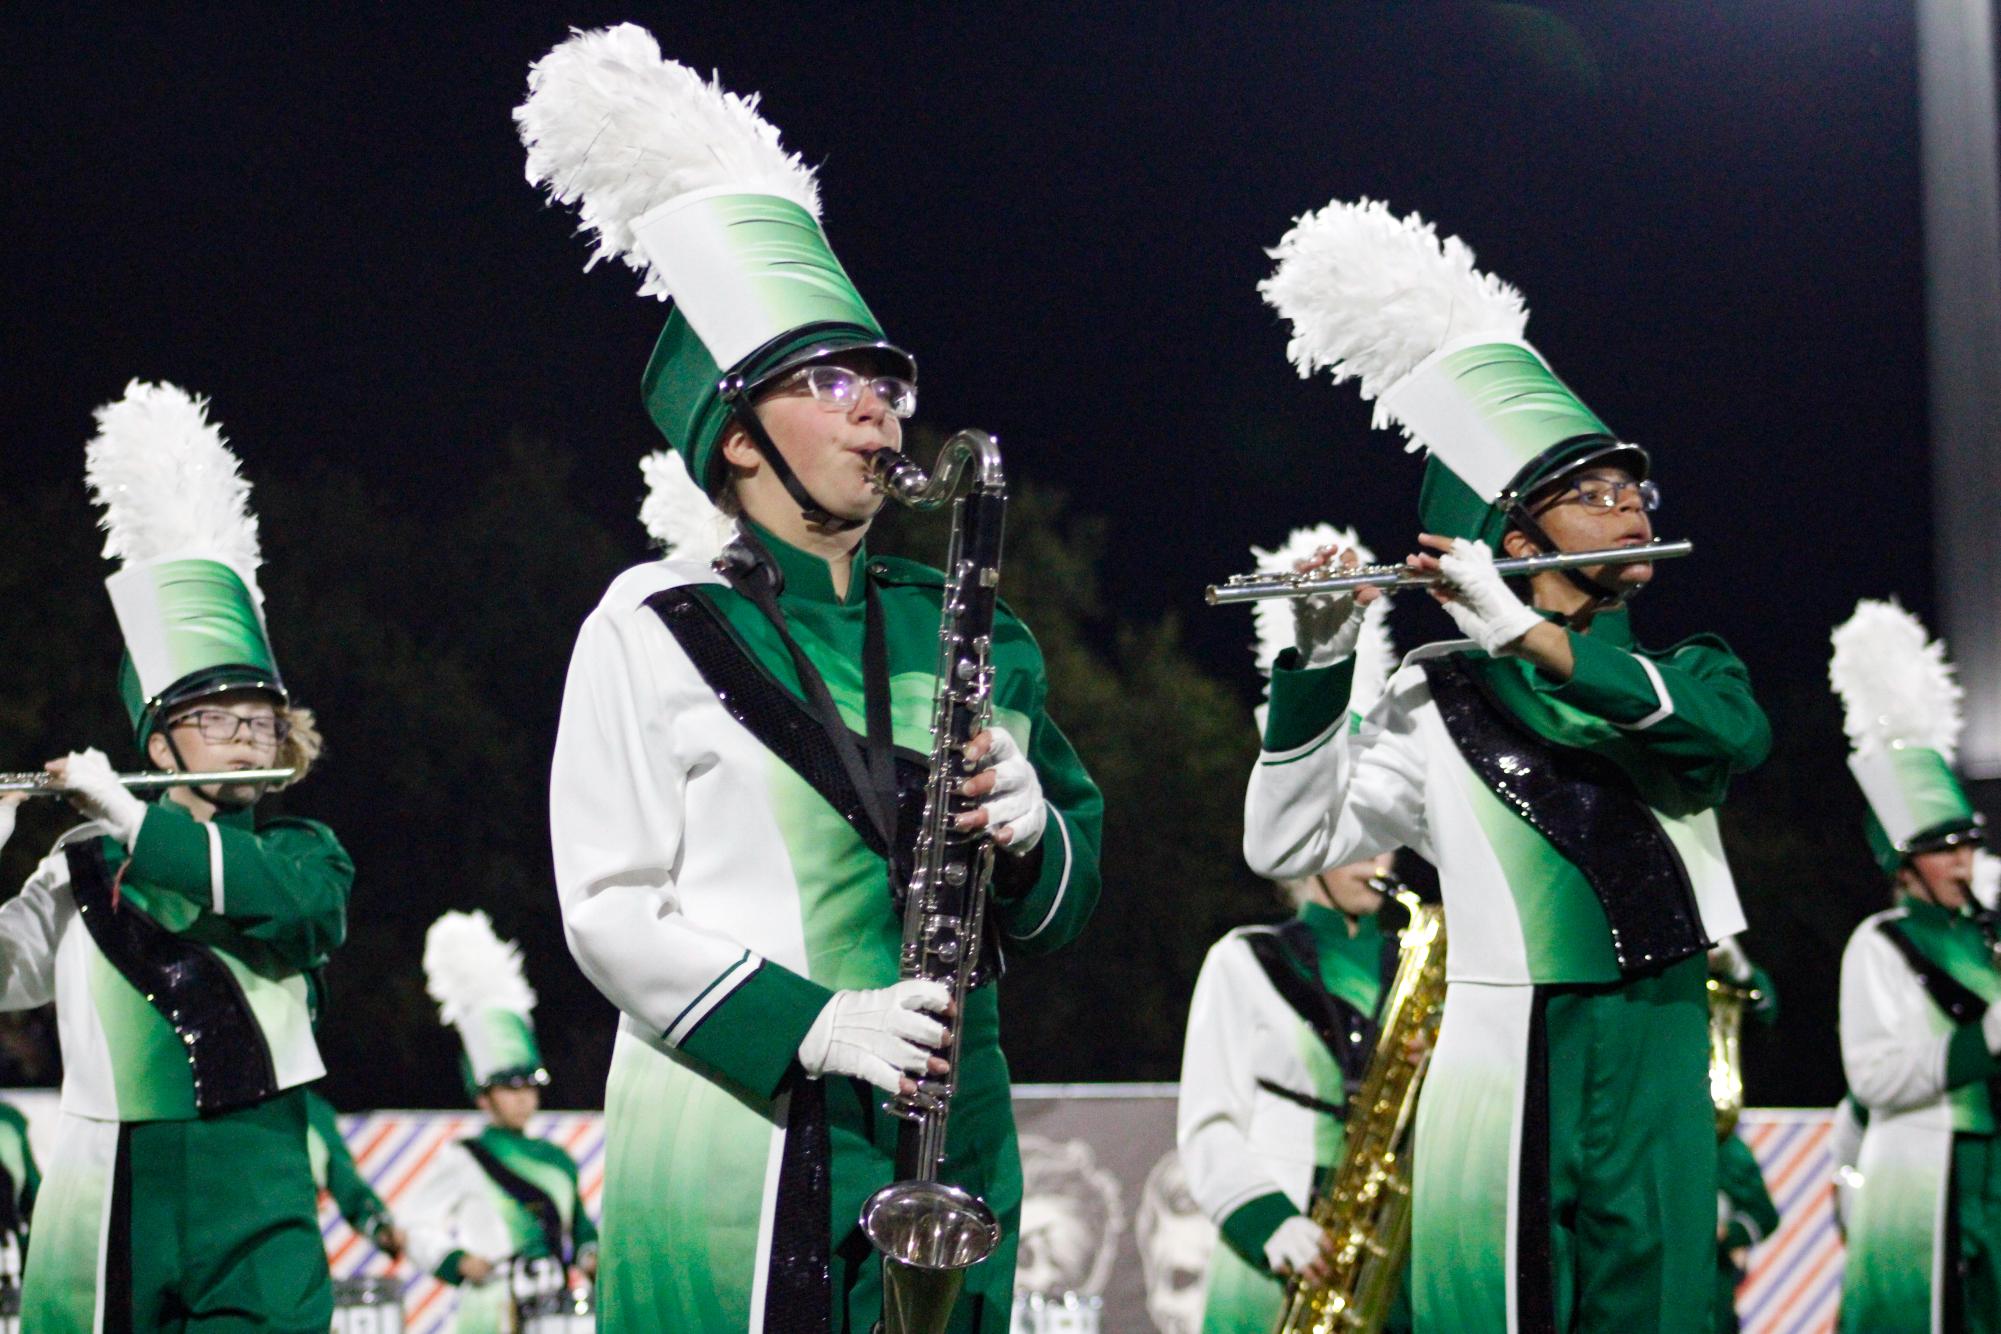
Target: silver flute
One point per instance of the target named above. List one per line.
(39, 783)
(1257, 587)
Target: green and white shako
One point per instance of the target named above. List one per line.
(1438, 346)
(177, 518)
(476, 979)
(1901, 707)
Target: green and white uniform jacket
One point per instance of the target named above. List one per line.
(718, 899)
(181, 988)
(1662, 732)
(1251, 1137)
(1925, 1081)
(461, 1209)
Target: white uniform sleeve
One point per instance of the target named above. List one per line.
(31, 926)
(1218, 1086)
(430, 1211)
(1344, 798)
(616, 818)
(1894, 1058)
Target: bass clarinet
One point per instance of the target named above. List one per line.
(930, 1233)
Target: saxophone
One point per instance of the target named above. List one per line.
(930, 1233)
(1364, 1206)
(1727, 1000)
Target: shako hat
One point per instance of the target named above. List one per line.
(177, 518)
(475, 978)
(1901, 710)
(1438, 346)
(687, 184)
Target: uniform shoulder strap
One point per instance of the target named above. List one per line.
(1958, 1000)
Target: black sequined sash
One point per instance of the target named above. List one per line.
(1588, 811)
(192, 989)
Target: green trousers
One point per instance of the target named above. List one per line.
(1566, 1161)
(207, 1225)
(1976, 1185)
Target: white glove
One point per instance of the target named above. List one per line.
(1326, 627)
(1990, 1027)
(7, 807)
(94, 789)
(1483, 606)
(1729, 959)
(1016, 800)
(878, 1035)
(1295, 1245)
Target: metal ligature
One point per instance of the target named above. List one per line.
(1257, 587)
(40, 784)
(930, 1233)
(1365, 1204)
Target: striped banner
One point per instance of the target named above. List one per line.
(1794, 1282)
(1793, 1285)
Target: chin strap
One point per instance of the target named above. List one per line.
(1601, 594)
(219, 788)
(746, 417)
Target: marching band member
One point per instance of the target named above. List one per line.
(498, 1216)
(1560, 776)
(724, 798)
(180, 938)
(1919, 1028)
(1280, 1030)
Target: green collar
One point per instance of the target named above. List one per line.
(243, 817)
(1330, 928)
(808, 576)
(1931, 914)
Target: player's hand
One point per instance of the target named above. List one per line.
(1009, 793)
(1474, 594)
(475, 1269)
(86, 778)
(1326, 626)
(883, 1036)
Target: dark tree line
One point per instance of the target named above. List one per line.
(432, 634)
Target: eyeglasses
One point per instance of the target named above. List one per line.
(1604, 494)
(838, 389)
(220, 726)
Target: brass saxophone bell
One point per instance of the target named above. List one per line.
(929, 1235)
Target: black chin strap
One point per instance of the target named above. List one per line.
(1601, 594)
(746, 417)
(186, 768)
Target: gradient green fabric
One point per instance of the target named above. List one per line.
(187, 619)
(500, 1047)
(690, 1132)
(1936, 807)
(1448, 506)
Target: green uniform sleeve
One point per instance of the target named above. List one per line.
(1753, 1215)
(752, 1035)
(583, 1232)
(1692, 706)
(448, 1268)
(1250, 1226)
(284, 885)
(352, 1195)
(1306, 702)
(1045, 898)
(1967, 1060)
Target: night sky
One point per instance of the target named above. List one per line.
(319, 219)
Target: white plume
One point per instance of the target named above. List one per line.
(615, 128)
(1894, 681)
(468, 969)
(167, 481)
(678, 517)
(1370, 295)
(1375, 652)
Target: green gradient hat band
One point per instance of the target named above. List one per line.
(744, 269)
(499, 1042)
(185, 616)
(1489, 409)
(1912, 792)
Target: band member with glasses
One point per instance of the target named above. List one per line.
(498, 1216)
(744, 743)
(1563, 779)
(181, 938)
(1920, 1031)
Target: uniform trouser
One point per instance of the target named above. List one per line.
(207, 1225)
(1565, 1160)
(688, 1224)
